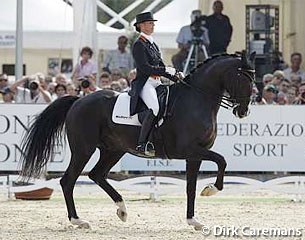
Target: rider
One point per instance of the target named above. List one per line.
(150, 68)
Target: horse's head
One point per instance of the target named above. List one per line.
(239, 84)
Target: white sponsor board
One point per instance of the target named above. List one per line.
(271, 138)
(14, 119)
(7, 40)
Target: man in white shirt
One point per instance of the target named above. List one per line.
(119, 58)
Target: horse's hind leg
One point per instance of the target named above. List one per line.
(67, 182)
(99, 175)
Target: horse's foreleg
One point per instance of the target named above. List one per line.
(99, 175)
(212, 189)
(192, 169)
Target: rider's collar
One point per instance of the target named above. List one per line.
(148, 37)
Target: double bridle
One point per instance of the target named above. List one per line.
(226, 102)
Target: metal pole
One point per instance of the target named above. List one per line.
(19, 41)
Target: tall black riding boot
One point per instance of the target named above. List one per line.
(144, 147)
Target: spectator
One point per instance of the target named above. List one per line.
(51, 88)
(284, 86)
(281, 99)
(291, 95)
(124, 84)
(6, 95)
(105, 80)
(267, 79)
(85, 67)
(269, 94)
(32, 93)
(295, 80)
(116, 74)
(132, 75)
(300, 100)
(295, 67)
(220, 29)
(119, 58)
(116, 86)
(3, 84)
(61, 79)
(71, 89)
(184, 40)
(278, 77)
(60, 90)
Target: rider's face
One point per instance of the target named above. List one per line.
(147, 27)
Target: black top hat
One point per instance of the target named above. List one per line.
(143, 17)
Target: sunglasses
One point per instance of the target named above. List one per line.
(3, 80)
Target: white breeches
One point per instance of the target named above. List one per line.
(149, 94)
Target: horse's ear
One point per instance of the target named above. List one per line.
(252, 56)
(244, 57)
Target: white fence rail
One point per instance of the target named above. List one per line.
(156, 185)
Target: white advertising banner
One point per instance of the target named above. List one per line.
(14, 120)
(271, 138)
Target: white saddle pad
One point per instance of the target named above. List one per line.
(121, 111)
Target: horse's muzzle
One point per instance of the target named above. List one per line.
(240, 111)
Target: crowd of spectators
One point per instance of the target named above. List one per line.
(118, 72)
(283, 87)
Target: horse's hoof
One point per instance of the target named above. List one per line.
(195, 223)
(122, 215)
(121, 211)
(80, 223)
(209, 190)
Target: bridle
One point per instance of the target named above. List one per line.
(226, 102)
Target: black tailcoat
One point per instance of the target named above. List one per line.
(148, 63)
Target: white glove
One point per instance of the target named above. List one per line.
(170, 70)
(181, 75)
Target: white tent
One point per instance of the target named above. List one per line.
(49, 24)
(175, 15)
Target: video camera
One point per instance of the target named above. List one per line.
(198, 25)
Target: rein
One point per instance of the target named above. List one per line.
(226, 102)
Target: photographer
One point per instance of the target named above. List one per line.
(87, 85)
(31, 92)
(86, 66)
(186, 38)
(300, 100)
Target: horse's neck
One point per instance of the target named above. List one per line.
(209, 86)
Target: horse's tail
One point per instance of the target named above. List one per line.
(37, 144)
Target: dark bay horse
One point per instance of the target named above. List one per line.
(187, 133)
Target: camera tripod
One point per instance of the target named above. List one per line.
(194, 51)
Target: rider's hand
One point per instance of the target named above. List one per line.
(170, 70)
(180, 75)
